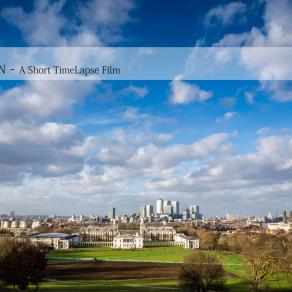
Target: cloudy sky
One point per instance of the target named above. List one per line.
(84, 146)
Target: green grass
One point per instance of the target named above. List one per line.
(232, 263)
(151, 254)
(111, 285)
(152, 284)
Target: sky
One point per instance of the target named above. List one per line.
(82, 147)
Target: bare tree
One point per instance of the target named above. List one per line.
(201, 272)
(265, 257)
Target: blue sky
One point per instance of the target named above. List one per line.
(83, 146)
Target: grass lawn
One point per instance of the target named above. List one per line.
(110, 285)
(233, 263)
(151, 254)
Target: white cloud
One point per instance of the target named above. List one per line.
(226, 14)
(226, 117)
(275, 32)
(184, 93)
(39, 99)
(249, 97)
(97, 22)
(255, 175)
(38, 149)
(153, 157)
(135, 91)
(280, 91)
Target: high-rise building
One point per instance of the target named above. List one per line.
(112, 213)
(143, 212)
(12, 214)
(290, 216)
(284, 217)
(175, 207)
(167, 208)
(159, 207)
(195, 212)
(149, 211)
(194, 209)
(231, 216)
(186, 214)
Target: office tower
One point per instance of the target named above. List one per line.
(143, 212)
(112, 213)
(284, 217)
(167, 208)
(290, 217)
(186, 214)
(12, 213)
(159, 207)
(175, 207)
(149, 211)
(194, 209)
(195, 212)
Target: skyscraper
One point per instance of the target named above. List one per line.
(112, 213)
(186, 214)
(159, 207)
(149, 211)
(167, 208)
(175, 207)
(195, 212)
(143, 212)
(284, 217)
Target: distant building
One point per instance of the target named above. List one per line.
(128, 241)
(99, 233)
(149, 211)
(164, 233)
(159, 207)
(35, 224)
(231, 217)
(23, 224)
(175, 208)
(56, 240)
(187, 241)
(167, 208)
(142, 212)
(195, 212)
(14, 224)
(287, 227)
(284, 217)
(186, 214)
(5, 224)
(112, 213)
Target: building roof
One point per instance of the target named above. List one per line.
(53, 235)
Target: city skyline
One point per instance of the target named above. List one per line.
(82, 147)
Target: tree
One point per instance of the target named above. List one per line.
(201, 272)
(6, 244)
(265, 257)
(24, 264)
(208, 239)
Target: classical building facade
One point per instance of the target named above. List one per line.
(165, 233)
(128, 241)
(187, 241)
(99, 233)
(55, 240)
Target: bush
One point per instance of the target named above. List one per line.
(201, 272)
